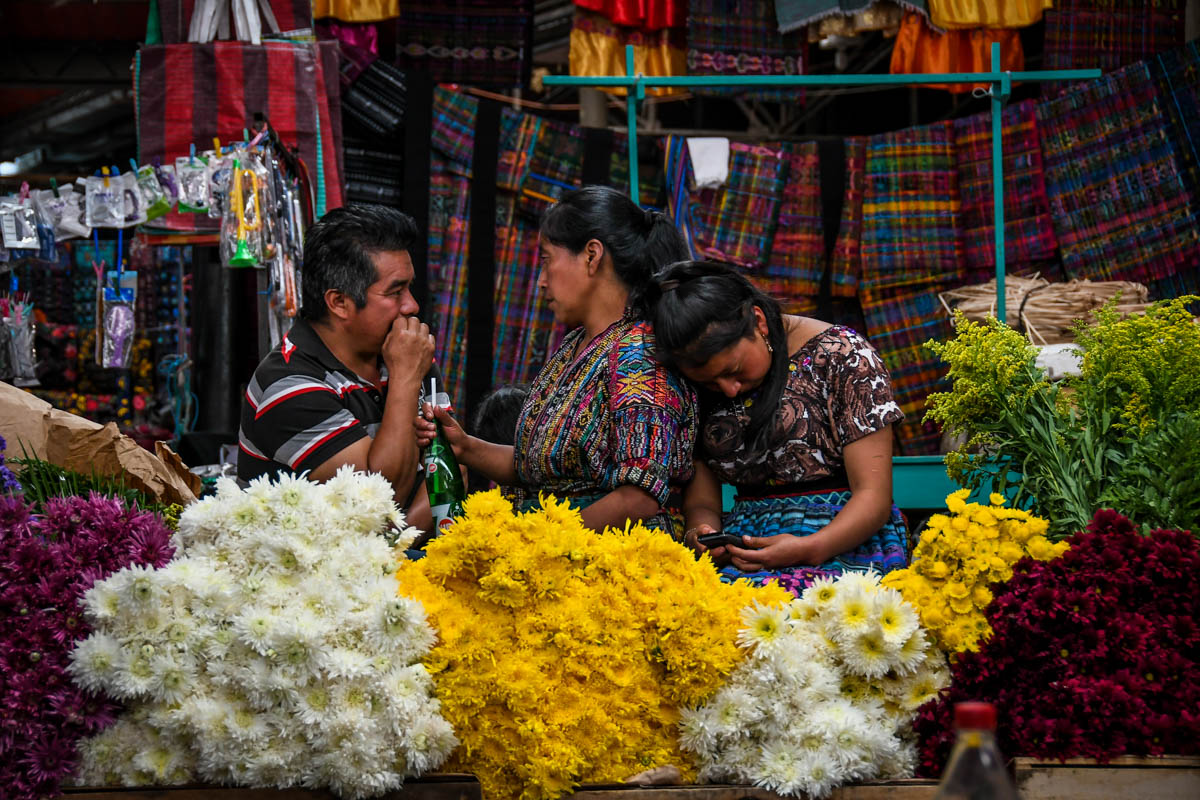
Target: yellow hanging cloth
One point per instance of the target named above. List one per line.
(920, 50)
(598, 48)
(951, 14)
(356, 10)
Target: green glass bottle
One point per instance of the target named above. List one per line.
(443, 480)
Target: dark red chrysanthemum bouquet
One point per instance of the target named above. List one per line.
(1093, 654)
(47, 562)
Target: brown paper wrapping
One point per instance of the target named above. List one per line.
(33, 427)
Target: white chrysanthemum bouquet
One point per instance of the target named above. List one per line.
(827, 695)
(273, 651)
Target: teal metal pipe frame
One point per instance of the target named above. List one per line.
(915, 490)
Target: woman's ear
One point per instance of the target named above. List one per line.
(760, 323)
(594, 251)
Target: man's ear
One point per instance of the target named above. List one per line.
(339, 303)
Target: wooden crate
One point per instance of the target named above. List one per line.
(428, 787)
(1124, 778)
(882, 790)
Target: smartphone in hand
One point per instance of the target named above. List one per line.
(719, 539)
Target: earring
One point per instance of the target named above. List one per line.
(770, 350)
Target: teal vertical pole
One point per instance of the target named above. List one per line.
(633, 94)
(1000, 92)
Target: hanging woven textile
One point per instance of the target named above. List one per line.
(648, 15)
(911, 208)
(739, 38)
(1121, 208)
(355, 10)
(1029, 242)
(845, 263)
(910, 252)
(1176, 74)
(1110, 33)
(793, 273)
(518, 136)
(449, 219)
(525, 330)
(555, 168)
(454, 127)
(919, 49)
(476, 42)
(736, 223)
(899, 323)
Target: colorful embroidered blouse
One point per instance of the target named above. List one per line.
(611, 417)
(838, 391)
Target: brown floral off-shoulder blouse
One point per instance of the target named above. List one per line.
(838, 391)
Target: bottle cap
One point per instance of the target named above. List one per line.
(975, 715)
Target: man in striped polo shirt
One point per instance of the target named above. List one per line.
(345, 385)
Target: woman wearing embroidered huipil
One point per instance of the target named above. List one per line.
(604, 425)
(797, 415)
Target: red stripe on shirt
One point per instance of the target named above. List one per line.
(306, 452)
(290, 393)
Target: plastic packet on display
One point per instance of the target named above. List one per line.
(133, 209)
(18, 224)
(21, 351)
(64, 212)
(104, 203)
(154, 199)
(117, 319)
(242, 223)
(219, 169)
(168, 182)
(192, 173)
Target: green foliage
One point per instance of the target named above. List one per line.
(1145, 367)
(1158, 482)
(40, 481)
(1069, 446)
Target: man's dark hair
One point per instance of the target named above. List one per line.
(338, 250)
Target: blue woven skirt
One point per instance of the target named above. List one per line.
(805, 514)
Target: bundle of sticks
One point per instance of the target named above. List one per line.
(1045, 312)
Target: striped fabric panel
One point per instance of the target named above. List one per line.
(449, 218)
(736, 223)
(524, 330)
(1120, 207)
(454, 126)
(846, 261)
(1110, 33)
(910, 252)
(1029, 241)
(651, 176)
(899, 322)
(555, 167)
(793, 274)
(518, 135)
(1176, 74)
(911, 207)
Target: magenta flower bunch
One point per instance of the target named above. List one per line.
(1093, 654)
(47, 562)
(8, 481)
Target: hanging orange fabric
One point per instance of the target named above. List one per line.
(920, 50)
(952, 14)
(356, 10)
(598, 48)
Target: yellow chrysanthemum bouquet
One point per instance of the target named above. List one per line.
(564, 656)
(956, 559)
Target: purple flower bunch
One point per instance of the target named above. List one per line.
(8, 481)
(47, 562)
(1093, 654)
